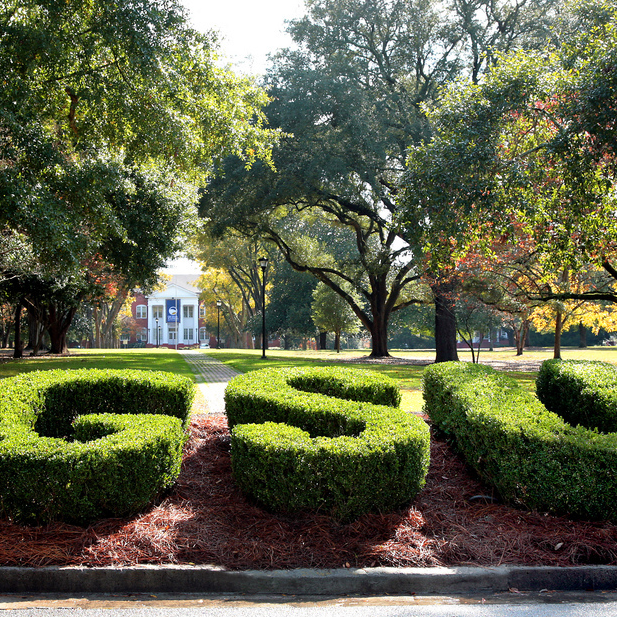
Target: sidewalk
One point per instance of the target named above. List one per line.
(212, 377)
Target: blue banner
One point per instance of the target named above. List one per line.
(172, 311)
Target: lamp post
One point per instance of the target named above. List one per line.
(157, 332)
(263, 263)
(218, 324)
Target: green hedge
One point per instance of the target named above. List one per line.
(529, 454)
(58, 464)
(580, 391)
(324, 439)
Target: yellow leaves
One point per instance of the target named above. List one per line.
(592, 315)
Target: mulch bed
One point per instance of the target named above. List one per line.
(206, 520)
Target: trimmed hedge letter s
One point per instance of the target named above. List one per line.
(326, 439)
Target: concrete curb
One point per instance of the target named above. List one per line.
(368, 581)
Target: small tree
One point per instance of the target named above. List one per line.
(332, 313)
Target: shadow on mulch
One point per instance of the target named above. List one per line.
(206, 520)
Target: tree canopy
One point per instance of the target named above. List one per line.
(349, 99)
(111, 115)
(527, 157)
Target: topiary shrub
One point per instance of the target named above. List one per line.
(580, 391)
(326, 439)
(529, 454)
(58, 464)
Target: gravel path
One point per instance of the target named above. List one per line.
(212, 378)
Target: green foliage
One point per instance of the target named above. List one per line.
(289, 302)
(580, 391)
(349, 97)
(322, 439)
(57, 464)
(528, 153)
(529, 454)
(112, 114)
(331, 313)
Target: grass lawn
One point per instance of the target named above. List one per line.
(244, 360)
(408, 376)
(143, 359)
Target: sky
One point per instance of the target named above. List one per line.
(248, 31)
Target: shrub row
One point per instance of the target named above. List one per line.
(295, 448)
(580, 391)
(58, 464)
(529, 454)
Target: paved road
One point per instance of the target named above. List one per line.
(212, 377)
(162, 605)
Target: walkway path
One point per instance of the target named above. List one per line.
(212, 378)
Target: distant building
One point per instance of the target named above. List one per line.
(172, 317)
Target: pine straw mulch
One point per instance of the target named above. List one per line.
(206, 520)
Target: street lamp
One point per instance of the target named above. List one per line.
(157, 332)
(218, 324)
(263, 263)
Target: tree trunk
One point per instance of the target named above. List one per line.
(558, 329)
(97, 327)
(379, 339)
(18, 353)
(6, 335)
(582, 333)
(323, 340)
(287, 342)
(36, 330)
(337, 341)
(521, 337)
(59, 324)
(445, 323)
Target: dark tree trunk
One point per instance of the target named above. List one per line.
(323, 340)
(35, 331)
(287, 342)
(582, 333)
(445, 323)
(337, 342)
(18, 352)
(58, 327)
(558, 329)
(6, 335)
(379, 338)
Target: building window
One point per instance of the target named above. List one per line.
(188, 334)
(142, 335)
(172, 334)
(187, 311)
(157, 311)
(202, 310)
(125, 337)
(141, 311)
(202, 334)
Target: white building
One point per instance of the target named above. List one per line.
(172, 317)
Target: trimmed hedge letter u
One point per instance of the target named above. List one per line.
(326, 439)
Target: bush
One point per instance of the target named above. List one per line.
(324, 439)
(529, 454)
(56, 464)
(580, 391)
